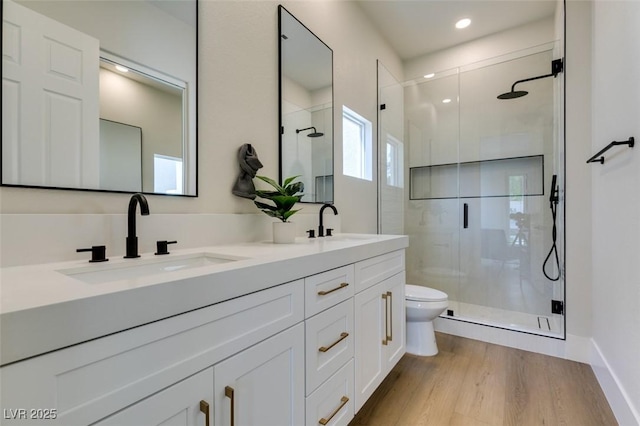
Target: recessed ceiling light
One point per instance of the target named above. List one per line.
(429, 75)
(121, 68)
(463, 23)
(446, 101)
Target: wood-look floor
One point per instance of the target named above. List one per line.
(473, 383)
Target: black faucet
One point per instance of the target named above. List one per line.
(321, 227)
(132, 239)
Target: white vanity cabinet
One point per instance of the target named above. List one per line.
(309, 351)
(379, 321)
(146, 365)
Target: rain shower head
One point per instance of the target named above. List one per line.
(314, 134)
(556, 67)
(513, 95)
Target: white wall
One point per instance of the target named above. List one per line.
(616, 197)
(578, 183)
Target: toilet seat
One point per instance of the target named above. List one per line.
(424, 294)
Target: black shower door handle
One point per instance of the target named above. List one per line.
(465, 218)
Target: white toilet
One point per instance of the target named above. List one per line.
(423, 305)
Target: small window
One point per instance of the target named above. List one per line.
(356, 145)
(395, 162)
(167, 174)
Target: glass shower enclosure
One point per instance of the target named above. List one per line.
(476, 190)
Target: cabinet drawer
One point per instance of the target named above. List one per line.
(324, 290)
(332, 403)
(329, 343)
(90, 381)
(371, 271)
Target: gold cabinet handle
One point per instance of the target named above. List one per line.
(390, 335)
(324, 293)
(343, 336)
(229, 393)
(386, 320)
(204, 407)
(343, 401)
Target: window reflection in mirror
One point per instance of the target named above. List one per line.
(51, 125)
(306, 109)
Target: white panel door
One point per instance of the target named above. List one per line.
(187, 403)
(263, 385)
(50, 102)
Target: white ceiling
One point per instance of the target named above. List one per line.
(184, 10)
(417, 27)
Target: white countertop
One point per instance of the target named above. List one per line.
(42, 309)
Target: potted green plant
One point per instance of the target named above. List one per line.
(284, 197)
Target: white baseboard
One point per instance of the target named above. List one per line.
(620, 402)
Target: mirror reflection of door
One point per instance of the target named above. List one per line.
(50, 102)
(306, 109)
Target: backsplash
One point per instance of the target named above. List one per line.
(28, 239)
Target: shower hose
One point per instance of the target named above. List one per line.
(554, 248)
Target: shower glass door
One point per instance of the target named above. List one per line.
(479, 177)
(434, 216)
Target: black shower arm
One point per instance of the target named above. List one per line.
(306, 128)
(513, 87)
(557, 66)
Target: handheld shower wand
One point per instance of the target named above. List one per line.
(554, 198)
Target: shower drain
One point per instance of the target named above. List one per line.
(543, 323)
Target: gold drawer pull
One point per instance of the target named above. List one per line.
(343, 336)
(385, 341)
(390, 336)
(229, 393)
(204, 407)
(343, 401)
(324, 293)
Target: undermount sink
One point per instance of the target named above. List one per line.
(129, 269)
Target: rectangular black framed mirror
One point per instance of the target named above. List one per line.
(306, 108)
(70, 65)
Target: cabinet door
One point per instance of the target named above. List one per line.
(263, 385)
(185, 403)
(395, 316)
(369, 312)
